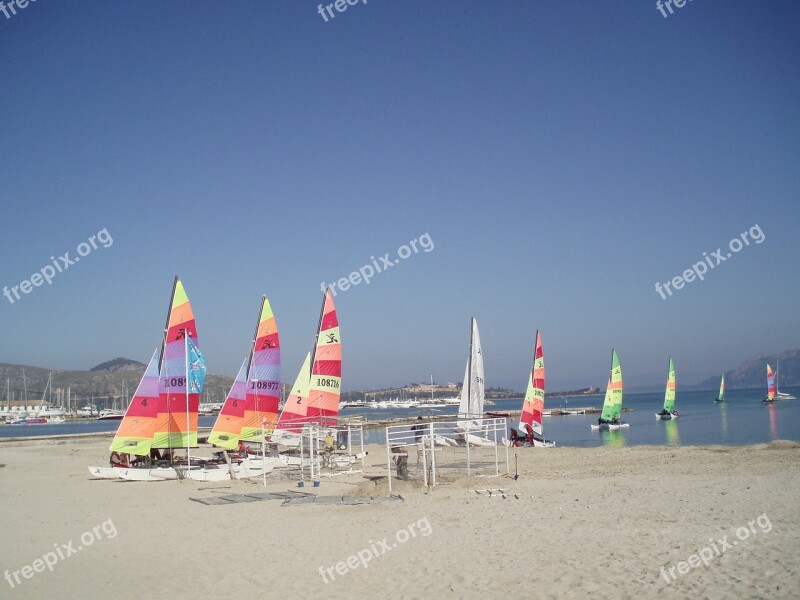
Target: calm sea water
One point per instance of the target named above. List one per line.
(742, 419)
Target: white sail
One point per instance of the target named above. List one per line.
(472, 391)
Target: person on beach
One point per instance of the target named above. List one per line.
(514, 437)
(529, 437)
(401, 461)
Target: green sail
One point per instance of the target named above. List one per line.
(612, 407)
(721, 396)
(669, 395)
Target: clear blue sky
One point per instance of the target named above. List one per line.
(563, 156)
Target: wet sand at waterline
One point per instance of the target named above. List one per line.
(579, 521)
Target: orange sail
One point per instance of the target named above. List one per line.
(533, 406)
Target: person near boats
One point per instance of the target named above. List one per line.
(119, 459)
(514, 437)
(401, 461)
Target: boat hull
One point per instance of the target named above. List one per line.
(666, 417)
(105, 472)
(610, 426)
(157, 474)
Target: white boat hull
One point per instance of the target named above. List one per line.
(105, 472)
(666, 417)
(156, 474)
(610, 426)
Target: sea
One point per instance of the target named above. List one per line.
(741, 419)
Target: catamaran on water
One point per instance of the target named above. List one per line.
(779, 395)
(770, 398)
(721, 396)
(669, 412)
(612, 406)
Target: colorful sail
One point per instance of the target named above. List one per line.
(770, 383)
(472, 391)
(136, 431)
(612, 407)
(721, 396)
(533, 406)
(326, 368)
(228, 427)
(295, 411)
(669, 395)
(263, 377)
(176, 425)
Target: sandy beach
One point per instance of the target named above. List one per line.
(600, 521)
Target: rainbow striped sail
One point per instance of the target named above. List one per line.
(326, 367)
(138, 426)
(176, 423)
(263, 377)
(612, 407)
(228, 427)
(295, 411)
(770, 383)
(669, 394)
(533, 406)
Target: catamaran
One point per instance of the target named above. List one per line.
(669, 412)
(250, 410)
(470, 409)
(779, 395)
(530, 421)
(162, 414)
(315, 396)
(770, 386)
(721, 396)
(612, 406)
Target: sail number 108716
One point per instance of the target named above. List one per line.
(328, 382)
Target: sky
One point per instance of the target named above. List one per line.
(557, 158)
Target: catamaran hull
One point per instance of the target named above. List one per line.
(666, 417)
(105, 472)
(610, 426)
(157, 474)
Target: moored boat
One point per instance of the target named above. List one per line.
(612, 406)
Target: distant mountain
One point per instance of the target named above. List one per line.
(752, 373)
(120, 364)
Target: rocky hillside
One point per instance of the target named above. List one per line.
(752, 373)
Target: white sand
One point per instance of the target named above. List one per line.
(600, 521)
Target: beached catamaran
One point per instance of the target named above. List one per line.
(612, 407)
(162, 415)
(721, 396)
(669, 412)
(770, 386)
(470, 408)
(533, 405)
(250, 410)
(316, 392)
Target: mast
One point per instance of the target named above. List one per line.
(166, 325)
(316, 335)
(469, 368)
(188, 427)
